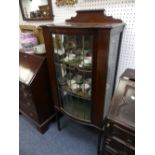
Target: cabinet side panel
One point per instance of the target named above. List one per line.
(112, 67)
(51, 69)
(42, 93)
(100, 74)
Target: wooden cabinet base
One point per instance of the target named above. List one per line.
(42, 127)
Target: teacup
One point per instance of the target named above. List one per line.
(71, 56)
(87, 60)
(39, 49)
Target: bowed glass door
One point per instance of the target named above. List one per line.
(73, 65)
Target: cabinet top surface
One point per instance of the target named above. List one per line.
(85, 25)
(29, 65)
(89, 19)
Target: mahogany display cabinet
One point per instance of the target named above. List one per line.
(82, 56)
(35, 101)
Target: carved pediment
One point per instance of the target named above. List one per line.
(92, 16)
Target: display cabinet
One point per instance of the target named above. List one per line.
(35, 101)
(82, 58)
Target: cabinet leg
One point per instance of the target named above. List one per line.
(43, 129)
(99, 143)
(58, 120)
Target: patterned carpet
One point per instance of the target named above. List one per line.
(73, 139)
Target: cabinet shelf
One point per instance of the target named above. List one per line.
(77, 95)
(76, 64)
(73, 66)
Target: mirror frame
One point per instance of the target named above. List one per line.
(37, 19)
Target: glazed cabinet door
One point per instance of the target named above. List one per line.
(73, 61)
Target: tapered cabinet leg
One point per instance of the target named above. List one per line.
(99, 143)
(58, 120)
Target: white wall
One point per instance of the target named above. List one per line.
(123, 9)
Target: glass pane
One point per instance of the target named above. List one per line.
(73, 63)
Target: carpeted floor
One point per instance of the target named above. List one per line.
(73, 139)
